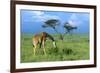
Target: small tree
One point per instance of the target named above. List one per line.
(68, 28)
(52, 23)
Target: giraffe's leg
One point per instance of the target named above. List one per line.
(44, 51)
(34, 48)
(43, 43)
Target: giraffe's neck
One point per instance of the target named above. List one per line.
(51, 38)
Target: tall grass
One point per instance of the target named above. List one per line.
(75, 47)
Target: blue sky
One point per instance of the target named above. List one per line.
(32, 21)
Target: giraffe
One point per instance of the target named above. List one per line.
(41, 39)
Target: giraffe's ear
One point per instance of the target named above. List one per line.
(54, 44)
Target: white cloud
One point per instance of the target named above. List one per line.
(38, 16)
(41, 16)
(73, 17)
(73, 20)
(77, 19)
(38, 13)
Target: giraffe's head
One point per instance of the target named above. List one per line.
(54, 44)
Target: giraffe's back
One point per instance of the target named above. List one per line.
(38, 38)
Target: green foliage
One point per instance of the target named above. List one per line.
(52, 23)
(68, 27)
(75, 49)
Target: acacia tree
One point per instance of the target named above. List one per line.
(68, 28)
(52, 23)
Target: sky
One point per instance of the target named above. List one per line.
(32, 21)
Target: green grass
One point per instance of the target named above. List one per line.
(74, 47)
